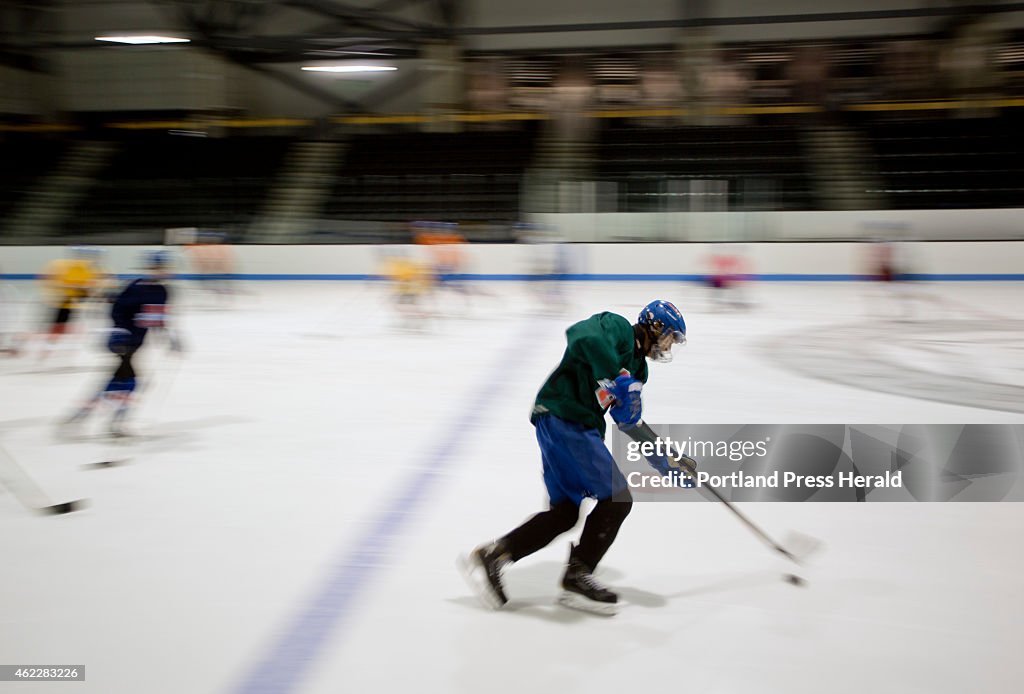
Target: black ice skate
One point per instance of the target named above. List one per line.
(482, 570)
(581, 591)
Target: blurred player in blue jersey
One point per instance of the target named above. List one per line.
(141, 306)
(603, 370)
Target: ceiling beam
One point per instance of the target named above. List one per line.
(368, 18)
(693, 22)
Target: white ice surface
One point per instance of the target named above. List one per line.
(295, 416)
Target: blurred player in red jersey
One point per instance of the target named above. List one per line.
(727, 271)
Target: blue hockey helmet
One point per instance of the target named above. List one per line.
(666, 326)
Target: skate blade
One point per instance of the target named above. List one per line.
(576, 601)
(476, 579)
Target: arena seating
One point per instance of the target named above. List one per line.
(154, 182)
(949, 163)
(641, 159)
(23, 160)
(464, 177)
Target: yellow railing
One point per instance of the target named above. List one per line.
(471, 117)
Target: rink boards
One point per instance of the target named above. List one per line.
(838, 261)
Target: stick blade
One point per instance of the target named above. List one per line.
(105, 464)
(61, 509)
(801, 547)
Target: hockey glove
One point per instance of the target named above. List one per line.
(627, 408)
(118, 341)
(669, 466)
(672, 464)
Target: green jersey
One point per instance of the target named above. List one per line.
(598, 348)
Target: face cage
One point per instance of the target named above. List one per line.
(661, 350)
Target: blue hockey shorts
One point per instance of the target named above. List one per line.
(577, 464)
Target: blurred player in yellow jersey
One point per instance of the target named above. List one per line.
(411, 282)
(68, 282)
(446, 249)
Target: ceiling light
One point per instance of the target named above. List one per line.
(349, 68)
(138, 40)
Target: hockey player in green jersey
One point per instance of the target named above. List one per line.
(603, 370)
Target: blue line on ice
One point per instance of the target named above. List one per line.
(295, 650)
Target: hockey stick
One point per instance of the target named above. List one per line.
(642, 432)
(22, 487)
(163, 387)
(170, 375)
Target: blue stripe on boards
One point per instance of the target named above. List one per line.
(596, 277)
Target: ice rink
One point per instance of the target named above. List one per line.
(309, 469)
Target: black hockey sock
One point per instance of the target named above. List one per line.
(125, 370)
(540, 530)
(600, 530)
